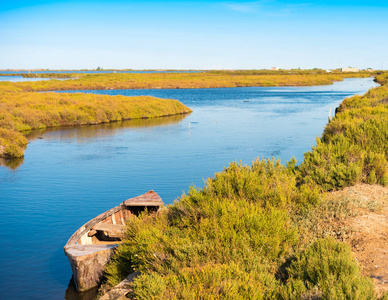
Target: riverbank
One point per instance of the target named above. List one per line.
(21, 112)
(181, 80)
(267, 230)
(22, 109)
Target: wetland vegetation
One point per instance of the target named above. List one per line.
(261, 231)
(21, 112)
(266, 231)
(22, 109)
(211, 79)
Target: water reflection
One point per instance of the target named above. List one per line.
(83, 134)
(73, 294)
(12, 164)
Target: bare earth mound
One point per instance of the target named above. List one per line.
(369, 237)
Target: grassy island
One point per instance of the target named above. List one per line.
(21, 112)
(214, 79)
(268, 231)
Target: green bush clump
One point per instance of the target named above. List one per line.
(212, 245)
(225, 240)
(354, 145)
(342, 163)
(382, 78)
(326, 270)
(373, 98)
(210, 281)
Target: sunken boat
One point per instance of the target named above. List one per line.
(93, 244)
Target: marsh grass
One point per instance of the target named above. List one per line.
(182, 80)
(266, 231)
(354, 146)
(21, 112)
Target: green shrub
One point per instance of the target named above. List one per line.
(333, 166)
(354, 145)
(328, 270)
(222, 241)
(263, 231)
(211, 281)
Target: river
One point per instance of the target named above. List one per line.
(70, 175)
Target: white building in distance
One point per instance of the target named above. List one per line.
(350, 70)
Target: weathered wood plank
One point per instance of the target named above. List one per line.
(111, 230)
(92, 232)
(148, 199)
(86, 227)
(142, 203)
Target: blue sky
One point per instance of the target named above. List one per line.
(193, 34)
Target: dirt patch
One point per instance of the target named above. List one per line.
(369, 236)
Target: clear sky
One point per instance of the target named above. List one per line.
(193, 34)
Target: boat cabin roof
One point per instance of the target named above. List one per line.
(148, 199)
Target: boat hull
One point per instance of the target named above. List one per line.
(87, 263)
(91, 247)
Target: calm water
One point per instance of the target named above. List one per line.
(69, 176)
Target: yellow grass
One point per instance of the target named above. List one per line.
(22, 109)
(182, 80)
(21, 112)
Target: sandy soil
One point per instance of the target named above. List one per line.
(369, 237)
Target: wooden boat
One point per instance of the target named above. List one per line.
(92, 245)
